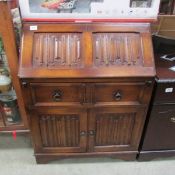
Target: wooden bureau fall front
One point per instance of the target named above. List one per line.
(86, 87)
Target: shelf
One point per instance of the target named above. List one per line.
(17, 128)
(164, 26)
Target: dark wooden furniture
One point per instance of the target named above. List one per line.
(160, 131)
(8, 36)
(86, 87)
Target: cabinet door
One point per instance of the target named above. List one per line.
(160, 132)
(115, 129)
(59, 130)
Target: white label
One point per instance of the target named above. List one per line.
(33, 27)
(168, 90)
(172, 68)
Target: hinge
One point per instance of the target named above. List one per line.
(91, 133)
(148, 83)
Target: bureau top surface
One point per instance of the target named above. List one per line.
(67, 50)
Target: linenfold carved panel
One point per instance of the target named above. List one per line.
(114, 129)
(116, 49)
(57, 50)
(59, 130)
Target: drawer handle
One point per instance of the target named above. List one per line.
(24, 83)
(57, 96)
(117, 96)
(172, 119)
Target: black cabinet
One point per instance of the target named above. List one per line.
(158, 139)
(161, 129)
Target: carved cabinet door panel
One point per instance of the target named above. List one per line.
(59, 129)
(57, 50)
(116, 49)
(115, 128)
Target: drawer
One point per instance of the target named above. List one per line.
(58, 93)
(165, 92)
(160, 132)
(120, 92)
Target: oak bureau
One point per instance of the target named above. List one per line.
(87, 87)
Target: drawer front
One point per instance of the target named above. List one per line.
(58, 93)
(160, 132)
(165, 92)
(119, 92)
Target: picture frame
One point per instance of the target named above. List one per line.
(88, 10)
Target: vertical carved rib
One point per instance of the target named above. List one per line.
(64, 49)
(102, 130)
(77, 137)
(112, 50)
(110, 123)
(127, 50)
(78, 49)
(44, 49)
(131, 121)
(73, 49)
(68, 137)
(58, 131)
(130, 50)
(41, 49)
(71, 134)
(49, 131)
(122, 50)
(44, 131)
(55, 48)
(73, 131)
(54, 123)
(115, 131)
(38, 51)
(49, 43)
(64, 131)
(97, 131)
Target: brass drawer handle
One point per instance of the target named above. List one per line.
(172, 119)
(117, 95)
(24, 83)
(57, 96)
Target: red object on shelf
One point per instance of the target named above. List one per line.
(14, 135)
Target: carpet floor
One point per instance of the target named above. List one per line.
(16, 158)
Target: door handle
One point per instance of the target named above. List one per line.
(83, 133)
(91, 133)
(57, 96)
(172, 119)
(117, 95)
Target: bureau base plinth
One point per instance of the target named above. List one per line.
(43, 158)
